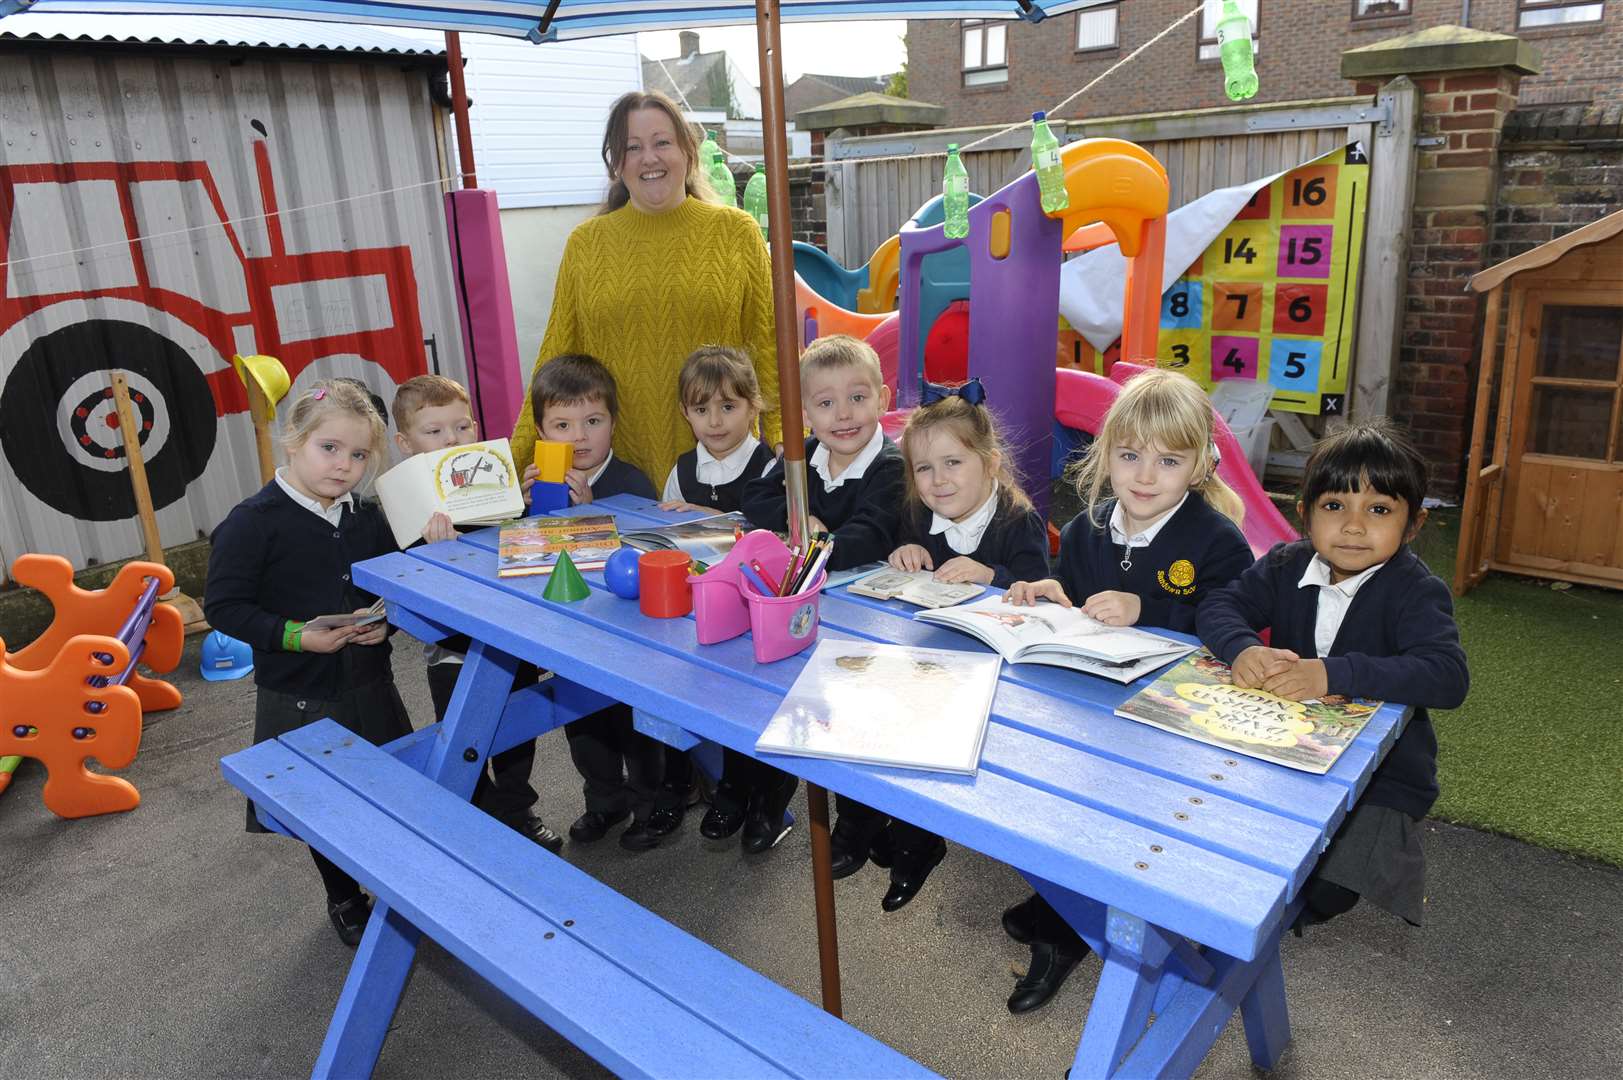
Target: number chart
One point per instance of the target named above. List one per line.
(1274, 296)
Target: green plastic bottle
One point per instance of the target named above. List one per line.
(955, 195)
(755, 199)
(1234, 46)
(714, 164)
(1045, 162)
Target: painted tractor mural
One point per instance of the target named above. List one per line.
(167, 291)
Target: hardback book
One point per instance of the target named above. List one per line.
(1048, 633)
(706, 540)
(371, 615)
(531, 546)
(1198, 700)
(474, 484)
(887, 705)
(916, 587)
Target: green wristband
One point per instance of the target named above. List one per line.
(292, 636)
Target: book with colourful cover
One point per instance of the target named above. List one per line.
(1046, 633)
(887, 705)
(706, 540)
(917, 587)
(474, 484)
(531, 546)
(1198, 700)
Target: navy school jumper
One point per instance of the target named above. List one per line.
(862, 514)
(1014, 545)
(1398, 643)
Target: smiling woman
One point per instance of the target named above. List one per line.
(661, 270)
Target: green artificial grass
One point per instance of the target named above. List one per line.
(1536, 752)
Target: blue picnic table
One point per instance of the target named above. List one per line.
(1179, 863)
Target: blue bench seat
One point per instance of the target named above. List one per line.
(641, 996)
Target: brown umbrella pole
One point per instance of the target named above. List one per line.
(776, 151)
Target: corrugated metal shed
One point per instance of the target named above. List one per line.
(163, 208)
(215, 30)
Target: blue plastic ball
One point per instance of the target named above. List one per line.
(81, 733)
(620, 573)
(20, 731)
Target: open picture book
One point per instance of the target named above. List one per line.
(1048, 633)
(474, 484)
(706, 540)
(917, 587)
(532, 546)
(1198, 700)
(887, 705)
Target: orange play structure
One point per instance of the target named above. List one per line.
(73, 693)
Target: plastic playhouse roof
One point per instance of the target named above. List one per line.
(213, 30)
(561, 19)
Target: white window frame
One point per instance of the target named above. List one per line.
(1588, 12)
(985, 31)
(1092, 14)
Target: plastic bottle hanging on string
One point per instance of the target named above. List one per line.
(1234, 46)
(955, 195)
(721, 178)
(755, 200)
(1045, 162)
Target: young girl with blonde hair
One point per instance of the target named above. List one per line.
(1159, 532)
(281, 558)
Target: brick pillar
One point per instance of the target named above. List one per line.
(1468, 81)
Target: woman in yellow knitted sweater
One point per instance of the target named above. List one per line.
(658, 272)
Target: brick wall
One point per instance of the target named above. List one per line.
(1298, 59)
(1558, 169)
(808, 211)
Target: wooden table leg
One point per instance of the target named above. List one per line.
(828, 941)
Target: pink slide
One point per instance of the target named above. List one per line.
(1081, 400)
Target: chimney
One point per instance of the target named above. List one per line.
(690, 43)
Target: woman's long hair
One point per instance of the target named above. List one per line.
(614, 147)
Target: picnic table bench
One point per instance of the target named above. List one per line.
(1178, 864)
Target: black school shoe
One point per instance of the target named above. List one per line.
(763, 832)
(1048, 971)
(349, 917)
(909, 873)
(593, 825)
(528, 825)
(849, 844)
(1019, 921)
(640, 836)
(719, 824)
(666, 821)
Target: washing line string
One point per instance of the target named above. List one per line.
(794, 166)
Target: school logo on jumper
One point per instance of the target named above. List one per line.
(1178, 579)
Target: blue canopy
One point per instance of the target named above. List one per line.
(564, 19)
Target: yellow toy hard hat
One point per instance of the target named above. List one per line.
(268, 372)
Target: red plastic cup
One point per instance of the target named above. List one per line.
(664, 592)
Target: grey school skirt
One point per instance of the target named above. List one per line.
(1376, 853)
(374, 712)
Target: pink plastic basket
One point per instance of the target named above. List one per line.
(719, 608)
(783, 625)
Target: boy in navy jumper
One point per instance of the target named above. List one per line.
(854, 490)
(432, 412)
(575, 400)
(1354, 612)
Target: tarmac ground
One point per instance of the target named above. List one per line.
(166, 942)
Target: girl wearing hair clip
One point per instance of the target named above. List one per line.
(1159, 532)
(966, 519)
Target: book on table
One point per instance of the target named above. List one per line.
(474, 484)
(887, 705)
(1198, 700)
(1048, 633)
(706, 540)
(532, 546)
(917, 587)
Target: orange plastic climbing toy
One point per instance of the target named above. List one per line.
(73, 692)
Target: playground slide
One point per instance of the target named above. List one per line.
(1081, 400)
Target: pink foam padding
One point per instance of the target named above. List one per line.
(485, 303)
(886, 339)
(1081, 400)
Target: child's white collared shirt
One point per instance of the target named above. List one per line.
(965, 536)
(1118, 526)
(712, 470)
(590, 480)
(1334, 600)
(853, 471)
(332, 515)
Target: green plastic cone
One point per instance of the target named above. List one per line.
(566, 585)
